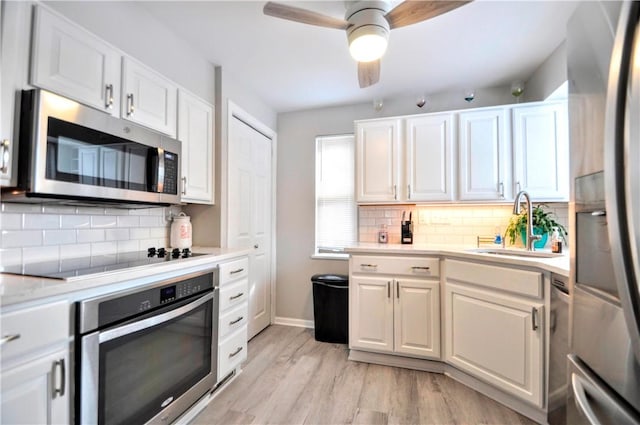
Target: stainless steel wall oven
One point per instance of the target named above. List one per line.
(147, 354)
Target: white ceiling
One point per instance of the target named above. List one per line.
(292, 66)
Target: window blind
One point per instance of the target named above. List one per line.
(335, 193)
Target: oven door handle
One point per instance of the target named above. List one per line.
(154, 320)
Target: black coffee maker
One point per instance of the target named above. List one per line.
(406, 229)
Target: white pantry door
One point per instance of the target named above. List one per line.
(249, 214)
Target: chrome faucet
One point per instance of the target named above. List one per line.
(530, 237)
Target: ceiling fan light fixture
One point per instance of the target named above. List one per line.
(368, 43)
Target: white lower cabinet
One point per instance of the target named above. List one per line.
(233, 317)
(493, 335)
(397, 311)
(34, 365)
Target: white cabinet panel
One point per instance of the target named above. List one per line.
(377, 161)
(417, 317)
(71, 61)
(541, 145)
(195, 131)
(484, 167)
(148, 98)
(429, 161)
(371, 311)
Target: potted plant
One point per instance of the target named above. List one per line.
(543, 224)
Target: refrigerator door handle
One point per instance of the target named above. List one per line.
(579, 392)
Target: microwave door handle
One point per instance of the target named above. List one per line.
(160, 182)
(154, 320)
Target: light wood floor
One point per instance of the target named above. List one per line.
(290, 378)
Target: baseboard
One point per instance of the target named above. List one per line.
(396, 361)
(288, 321)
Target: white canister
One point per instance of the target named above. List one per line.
(181, 231)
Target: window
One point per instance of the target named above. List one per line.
(335, 194)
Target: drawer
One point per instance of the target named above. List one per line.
(521, 282)
(409, 266)
(233, 320)
(231, 352)
(37, 327)
(234, 270)
(232, 294)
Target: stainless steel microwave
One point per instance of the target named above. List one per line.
(72, 154)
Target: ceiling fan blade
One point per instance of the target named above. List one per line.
(297, 14)
(368, 73)
(413, 11)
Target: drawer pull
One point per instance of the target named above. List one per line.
(236, 271)
(420, 268)
(534, 318)
(233, 322)
(8, 338)
(388, 289)
(369, 266)
(235, 297)
(235, 352)
(59, 391)
(397, 290)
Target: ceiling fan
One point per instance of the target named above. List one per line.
(367, 24)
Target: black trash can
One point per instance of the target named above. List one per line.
(331, 307)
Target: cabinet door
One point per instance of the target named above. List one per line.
(37, 392)
(497, 339)
(195, 131)
(148, 98)
(429, 159)
(484, 166)
(541, 144)
(70, 61)
(371, 313)
(417, 317)
(378, 161)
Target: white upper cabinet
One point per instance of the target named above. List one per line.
(148, 98)
(195, 131)
(429, 160)
(540, 150)
(484, 167)
(377, 160)
(68, 60)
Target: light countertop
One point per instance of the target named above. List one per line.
(559, 265)
(16, 289)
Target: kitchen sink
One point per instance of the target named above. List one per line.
(515, 252)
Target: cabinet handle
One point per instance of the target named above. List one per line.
(4, 166)
(395, 192)
(233, 322)
(256, 246)
(235, 352)
(236, 271)
(409, 191)
(63, 378)
(397, 290)
(534, 318)
(600, 213)
(388, 289)
(420, 268)
(8, 338)
(108, 96)
(501, 189)
(369, 266)
(235, 297)
(184, 185)
(130, 106)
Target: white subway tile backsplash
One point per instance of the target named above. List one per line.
(101, 221)
(129, 246)
(11, 221)
(90, 235)
(158, 232)
(21, 238)
(58, 209)
(151, 221)
(102, 248)
(128, 221)
(10, 256)
(91, 210)
(58, 237)
(141, 211)
(21, 208)
(75, 250)
(116, 234)
(76, 221)
(40, 253)
(41, 221)
(139, 233)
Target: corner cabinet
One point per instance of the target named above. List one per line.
(35, 368)
(541, 150)
(70, 61)
(485, 164)
(394, 305)
(494, 326)
(195, 131)
(378, 160)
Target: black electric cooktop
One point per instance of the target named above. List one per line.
(83, 266)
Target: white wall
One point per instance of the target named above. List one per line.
(549, 76)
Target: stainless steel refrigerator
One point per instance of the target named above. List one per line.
(603, 57)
